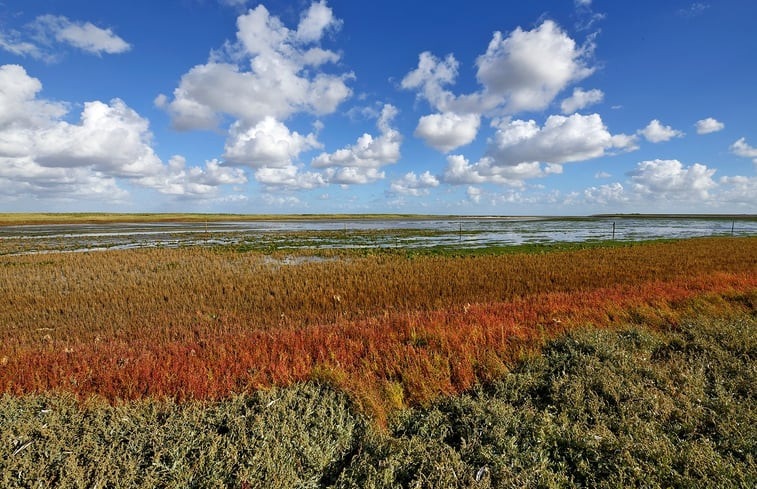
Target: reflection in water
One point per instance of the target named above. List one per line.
(352, 233)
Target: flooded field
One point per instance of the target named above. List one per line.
(469, 232)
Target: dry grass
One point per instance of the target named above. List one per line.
(393, 331)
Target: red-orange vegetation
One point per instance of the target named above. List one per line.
(391, 331)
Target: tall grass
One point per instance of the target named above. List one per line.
(392, 331)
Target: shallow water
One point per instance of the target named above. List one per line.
(357, 233)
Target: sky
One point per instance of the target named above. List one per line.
(561, 107)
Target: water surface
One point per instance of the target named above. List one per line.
(352, 233)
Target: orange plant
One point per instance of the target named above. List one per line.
(391, 331)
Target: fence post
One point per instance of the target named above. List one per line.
(613, 230)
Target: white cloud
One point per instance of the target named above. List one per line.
(581, 99)
(561, 140)
(360, 162)
(194, 181)
(655, 132)
(83, 35)
(14, 45)
(447, 131)
(670, 180)
(18, 102)
(529, 68)
(40, 36)
(739, 190)
(315, 21)
(48, 157)
(524, 71)
(602, 174)
(612, 193)
(660, 185)
(269, 143)
(271, 71)
(430, 78)
(281, 200)
(474, 194)
(414, 185)
(353, 175)
(289, 177)
(741, 148)
(706, 126)
(460, 171)
(431, 75)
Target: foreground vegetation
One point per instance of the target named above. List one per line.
(391, 331)
(638, 406)
(562, 366)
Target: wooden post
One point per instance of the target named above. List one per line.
(613, 230)
(733, 223)
(461, 232)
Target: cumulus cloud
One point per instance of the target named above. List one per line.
(414, 185)
(316, 20)
(741, 148)
(289, 177)
(269, 143)
(270, 71)
(671, 180)
(739, 190)
(360, 162)
(521, 150)
(602, 174)
(656, 132)
(460, 171)
(430, 78)
(18, 100)
(83, 35)
(474, 194)
(561, 140)
(195, 181)
(612, 193)
(447, 131)
(708, 125)
(529, 68)
(522, 71)
(49, 157)
(664, 184)
(581, 99)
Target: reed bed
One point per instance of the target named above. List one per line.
(392, 331)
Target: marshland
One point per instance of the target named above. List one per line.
(392, 351)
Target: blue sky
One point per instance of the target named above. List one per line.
(511, 108)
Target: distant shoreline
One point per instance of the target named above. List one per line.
(16, 219)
